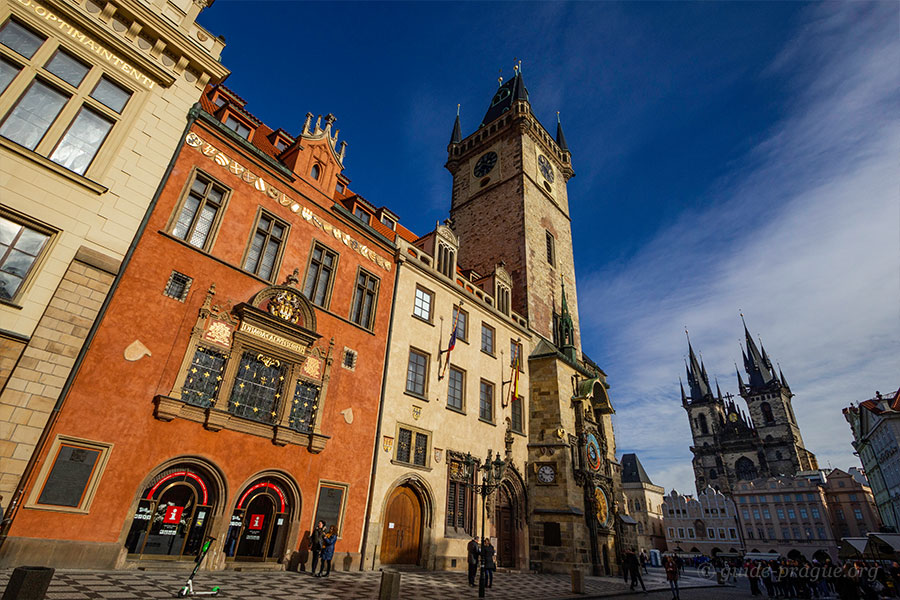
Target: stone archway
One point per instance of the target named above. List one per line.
(510, 516)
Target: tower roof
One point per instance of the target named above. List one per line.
(507, 94)
(633, 471)
(756, 364)
(697, 377)
(560, 136)
(456, 136)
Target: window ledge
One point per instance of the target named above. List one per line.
(491, 354)
(416, 396)
(52, 166)
(423, 320)
(483, 420)
(168, 408)
(394, 461)
(456, 410)
(10, 304)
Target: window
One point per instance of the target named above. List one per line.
(681, 532)
(795, 531)
(456, 389)
(339, 188)
(516, 415)
(551, 248)
(265, 247)
(841, 484)
(721, 533)
(446, 259)
(417, 373)
(503, 300)
(201, 385)
(785, 533)
(320, 275)
(486, 404)
(460, 498)
(766, 409)
(363, 312)
(840, 514)
(487, 339)
(746, 514)
(852, 497)
(690, 532)
(389, 223)
(515, 355)
(238, 127)
(671, 532)
(361, 214)
(858, 514)
(461, 318)
(315, 172)
(68, 109)
(350, 358)
(791, 514)
(821, 532)
(803, 513)
(412, 447)
(756, 513)
(766, 513)
(178, 285)
(21, 246)
(257, 387)
(553, 534)
(815, 512)
(281, 145)
(200, 211)
(422, 304)
(68, 481)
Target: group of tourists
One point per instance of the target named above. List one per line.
(852, 580)
(321, 544)
(483, 552)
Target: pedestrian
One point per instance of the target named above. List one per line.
(328, 551)
(473, 551)
(315, 544)
(488, 564)
(753, 578)
(679, 562)
(633, 567)
(644, 561)
(671, 568)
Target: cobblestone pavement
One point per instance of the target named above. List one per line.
(281, 585)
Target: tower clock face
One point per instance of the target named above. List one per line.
(592, 447)
(546, 168)
(546, 474)
(485, 164)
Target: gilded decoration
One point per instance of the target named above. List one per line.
(601, 506)
(416, 412)
(286, 305)
(312, 367)
(218, 332)
(387, 443)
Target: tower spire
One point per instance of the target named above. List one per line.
(456, 136)
(757, 366)
(560, 136)
(566, 326)
(683, 396)
(697, 375)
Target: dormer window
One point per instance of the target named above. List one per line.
(220, 101)
(446, 259)
(281, 145)
(362, 215)
(315, 172)
(339, 188)
(238, 127)
(388, 222)
(503, 299)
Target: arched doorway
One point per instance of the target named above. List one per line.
(173, 514)
(401, 527)
(506, 528)
(260, 522)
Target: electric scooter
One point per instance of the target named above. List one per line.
(188, 588)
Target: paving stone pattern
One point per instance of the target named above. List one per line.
(282, 585)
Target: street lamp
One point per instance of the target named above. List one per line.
(492, 472)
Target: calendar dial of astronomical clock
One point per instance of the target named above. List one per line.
(485, 164)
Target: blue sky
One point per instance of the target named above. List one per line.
(729, 156)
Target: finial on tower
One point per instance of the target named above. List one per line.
(500, 77)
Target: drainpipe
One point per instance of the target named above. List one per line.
(16, 501)
(387, 359)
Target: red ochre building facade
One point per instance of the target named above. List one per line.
(215, 398)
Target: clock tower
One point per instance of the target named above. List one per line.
(510, 206)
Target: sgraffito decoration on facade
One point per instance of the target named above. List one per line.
(195, 141)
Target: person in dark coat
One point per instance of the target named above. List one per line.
(328, 551)
(633, 568)
(487, 551)
(671, 568)
(473, 551)
(315, 544)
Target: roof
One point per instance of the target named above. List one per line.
(633, 471)
(505, 97)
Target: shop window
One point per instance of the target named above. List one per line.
(260, 522)
(461, 319)
(417, 373)
(486, 401)
(487, 339)
(460, 496)
(516, 414)
(266, 246)
(320, 275)
(456, 389)
(173, 515)
(200, 211)
(69, 478)
(422, 304)
(364, 300)
(412, 447)
(68, 109)
(22, 245)
(178, 286)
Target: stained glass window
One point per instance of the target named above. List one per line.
(257, 387)
(303, 409)
(404, 441)
(203, 378)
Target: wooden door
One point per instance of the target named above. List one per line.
(506, 538)
(402, 528)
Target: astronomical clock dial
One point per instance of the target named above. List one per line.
(601, 506)
(546, 474)
(592, 448)
(733, 417)
(546, 168)
(485, 164)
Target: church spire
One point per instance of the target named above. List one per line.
(697, 378)
(756, 365)
(456, 136)
(566, 327)
(560, 136)
(683, 396)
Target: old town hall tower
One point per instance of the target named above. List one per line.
(510, 207)
(731, 445)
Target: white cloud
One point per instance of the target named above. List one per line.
(802, 235)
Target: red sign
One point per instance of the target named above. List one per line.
(256, 522)
(173, 514)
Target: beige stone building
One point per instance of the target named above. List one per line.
(644, 501)
(423, 508)
(705, 525)
(94, 99)
(851, 504)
